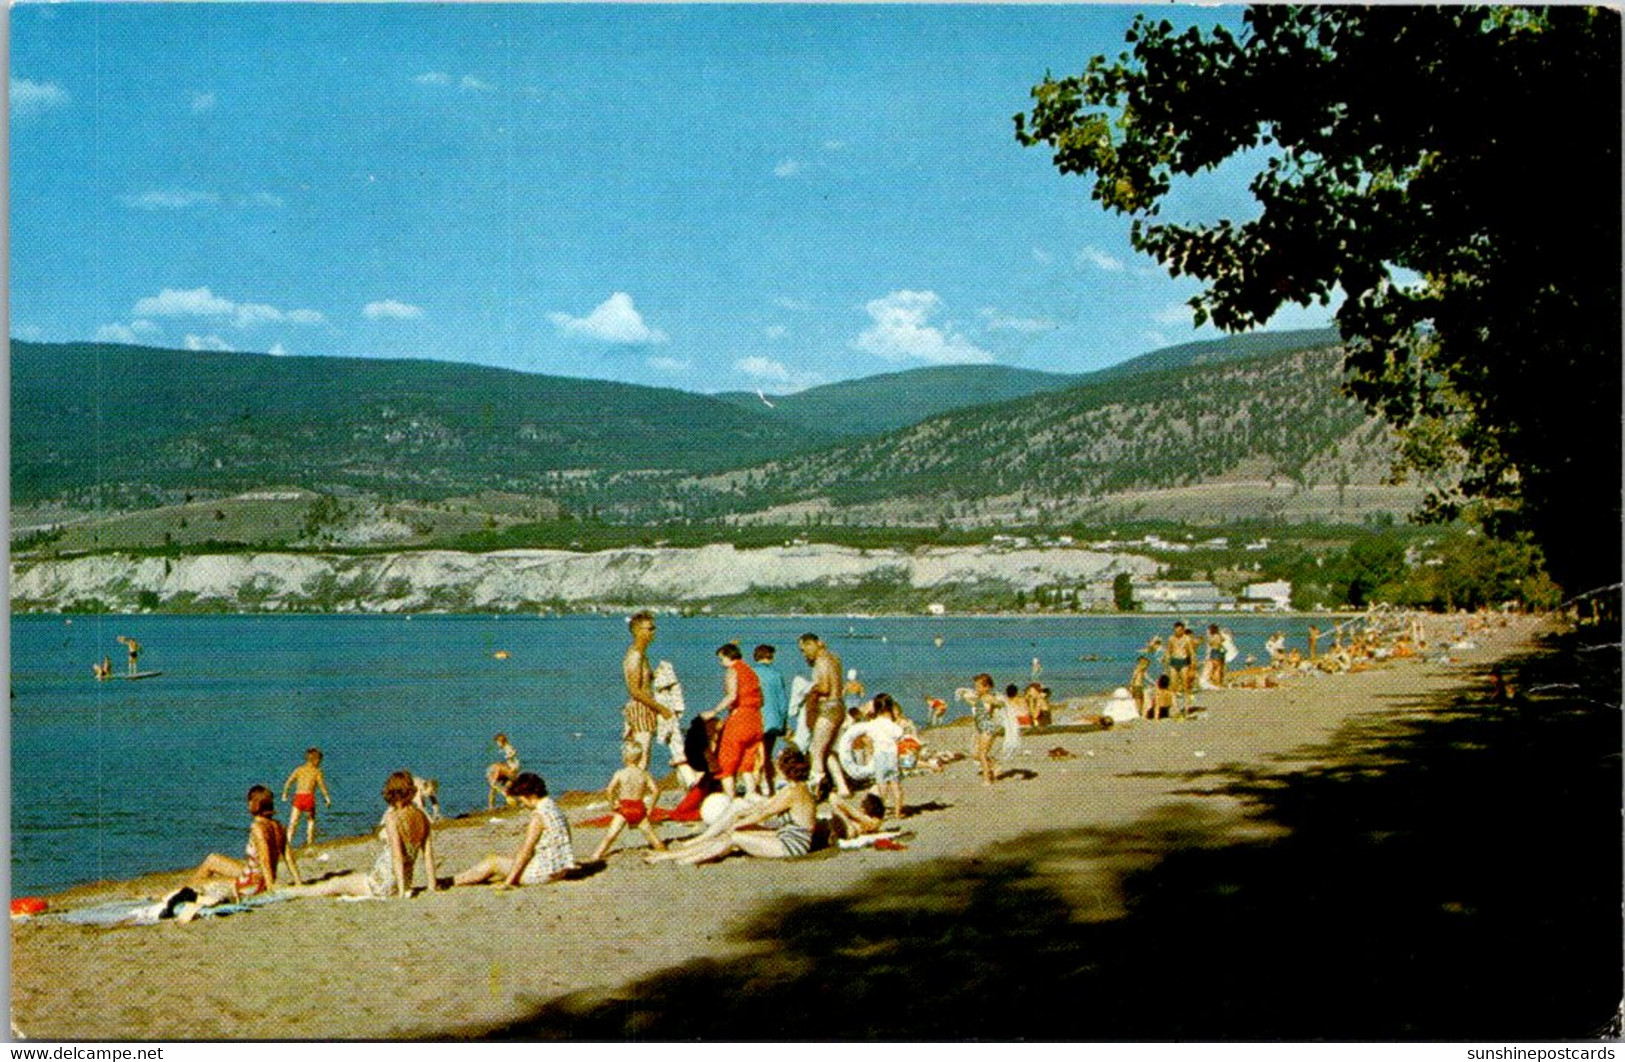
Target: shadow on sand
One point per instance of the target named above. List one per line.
(1448, 871)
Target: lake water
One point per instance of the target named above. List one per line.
(113, 779)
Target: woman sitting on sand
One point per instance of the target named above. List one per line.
(783, 826)
(405, 833)
(545, 854)
(267, 846)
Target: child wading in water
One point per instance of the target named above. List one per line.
(499, 774)
(632, 793)
(304, 781)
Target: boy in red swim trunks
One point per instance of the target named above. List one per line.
(305, 780)
(632, 793)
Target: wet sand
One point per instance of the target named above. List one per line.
(642, 951)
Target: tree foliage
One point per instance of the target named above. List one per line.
(1476, 148)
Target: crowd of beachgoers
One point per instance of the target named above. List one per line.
(778, 768)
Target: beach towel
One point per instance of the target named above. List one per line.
(1012, 731)
(800, 686)
(150, 912)
(669, 730)
(869, 839)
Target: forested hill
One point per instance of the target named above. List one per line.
(83, 414)
(1217, 351)
(1280, 416)
(876, 404)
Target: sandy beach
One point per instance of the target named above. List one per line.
(1289, 863)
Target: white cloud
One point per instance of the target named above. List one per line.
(1094, 256)
(775, 331)
(665, 364)
(201, 302)
(787, 168)
(392, 310)
(209, 342)
(1175, 314)
(169, 199)
(278, 350)
(901, 332)
(765, 372)
(615, 320)
(202, 101)
(1001, 321)
(29, 98)
(196, 302)
(121, 333)
(433, 77)
(474, 84)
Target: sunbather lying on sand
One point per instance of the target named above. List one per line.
(783, 826)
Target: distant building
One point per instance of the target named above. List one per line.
(1181, 596)
(936, 608)
(1276, 594)
(1096, 597)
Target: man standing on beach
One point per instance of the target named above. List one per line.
(1181, 658)
(642, 712)
(826, 710)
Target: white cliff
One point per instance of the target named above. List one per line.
(529, 579)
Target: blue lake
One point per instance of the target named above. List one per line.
(113, 779)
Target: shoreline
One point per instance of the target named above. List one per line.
(578, 802)
(593, 935)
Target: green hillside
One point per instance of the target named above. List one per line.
(874, 405)
(1276, 417)
(877, 404)
(88, 414)
(1217, 351)
(175, 447)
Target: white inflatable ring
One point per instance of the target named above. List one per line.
(858, 772)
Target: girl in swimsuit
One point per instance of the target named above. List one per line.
(987, 713)
(784, 826)
(267, 847)
(404, 832)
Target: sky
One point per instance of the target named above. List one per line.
(708, 197)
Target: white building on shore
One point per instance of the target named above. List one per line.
(1271, 595)
(1181, 596)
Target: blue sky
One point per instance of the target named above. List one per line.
(705, 197)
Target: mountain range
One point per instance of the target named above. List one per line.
(138, 427)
